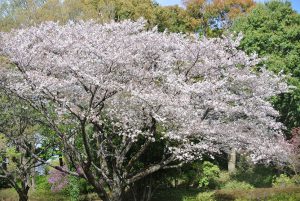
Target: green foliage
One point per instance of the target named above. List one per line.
(272, 30)
(237, 185)
(224, 178)
(257, 175)
(282, 181)
(216, 16)
(84, 186)
(3, 183)
(205, 196)
(191, 173)
(296, 179)
(276, 194)
(2, 143)
(209, 174)
(73, 188)
(285, 197)
(42, 183)
(175, 19)
(279, 197)
(29, 12)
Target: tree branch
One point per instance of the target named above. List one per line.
(153, 168)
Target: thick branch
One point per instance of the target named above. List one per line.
(86, 144)
(3, 176)
(150, 170)
(138, 154)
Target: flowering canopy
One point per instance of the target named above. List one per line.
(200, 95)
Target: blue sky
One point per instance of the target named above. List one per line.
(295, 3)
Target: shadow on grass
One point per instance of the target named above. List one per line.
(175, 194)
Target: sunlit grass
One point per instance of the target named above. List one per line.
(176, 194)
(39, 195)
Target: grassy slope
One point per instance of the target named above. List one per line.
(11, 195)
(265, 194)
(180, 194)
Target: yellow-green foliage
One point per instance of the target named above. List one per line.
(209, 174)
(206, 196)
(283, 181)
(237, 185)
(258, 194)
(10, 153)
(2, 143)
(12, 156)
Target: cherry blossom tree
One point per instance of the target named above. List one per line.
(116, 91)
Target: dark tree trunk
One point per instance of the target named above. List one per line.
(61, 162)
(142, 190)
(116, 195)
(23, 194)
(23, 197)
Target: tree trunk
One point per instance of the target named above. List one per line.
(116, 194)
(23, 194)
(61, 162)
(232, 161)
(23, 197)
(33, 183)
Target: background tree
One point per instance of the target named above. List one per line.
(22, 13)
(26, 12)
(175, 19)
(216, 15)
(122, 9)
(272, 30)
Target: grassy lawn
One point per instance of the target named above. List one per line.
(175, 194)
(11, 195)
(280, 194)
(179, 194)
(263, 194)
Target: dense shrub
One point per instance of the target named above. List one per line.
(73, 188)
(209, 174)
(205, 196)
(285, 197)
(296, 179)
(3, 183)
(223, 178)
(42, 183)
(237, 185)
(282, 181)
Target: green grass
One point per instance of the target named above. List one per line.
(259, 194)
(8, 195)
(39, 195)
(264, 194)
(178, 194)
